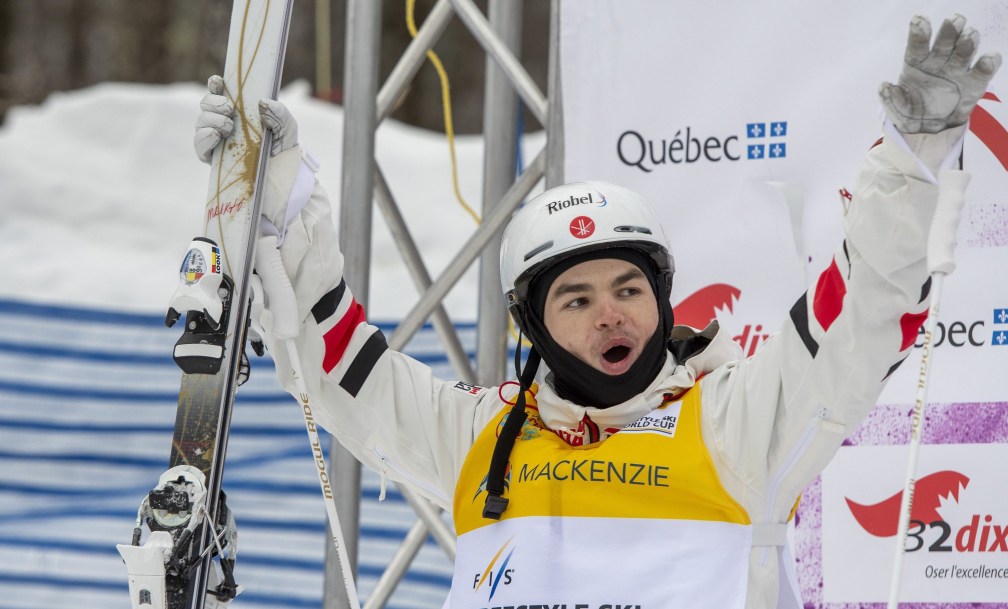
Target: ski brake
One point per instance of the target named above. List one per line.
(172, 513)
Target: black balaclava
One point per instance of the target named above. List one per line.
(575, 380)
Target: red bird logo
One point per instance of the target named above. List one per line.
(882, 519)
(700, 308)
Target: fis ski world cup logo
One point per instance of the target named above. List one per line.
(928, 530)
(760, 140)
(496, 572)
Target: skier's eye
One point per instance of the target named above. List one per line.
(577, 303)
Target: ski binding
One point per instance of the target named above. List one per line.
(204, 295)
(172, 512)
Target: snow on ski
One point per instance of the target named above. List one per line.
(173, 568)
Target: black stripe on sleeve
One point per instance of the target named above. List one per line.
(894, 367)
(363, 363)
(326, 306)
(925, 290)
(799, 315)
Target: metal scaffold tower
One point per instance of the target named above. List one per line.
(498, 32)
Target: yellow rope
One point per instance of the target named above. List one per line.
(446, 103)
(513, 332)
(450, 133)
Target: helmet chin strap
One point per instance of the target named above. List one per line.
(496, 503)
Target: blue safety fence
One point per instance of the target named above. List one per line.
(87, 408)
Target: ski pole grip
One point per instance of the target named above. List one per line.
(276, 283)
(941, 238)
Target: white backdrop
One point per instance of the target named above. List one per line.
(741, 122)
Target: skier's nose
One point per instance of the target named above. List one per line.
(610, 314)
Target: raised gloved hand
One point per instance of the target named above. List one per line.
(216, 122)
(296, 226)
(938, 87)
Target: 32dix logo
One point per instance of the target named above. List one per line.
(927, 526)
(701, 307)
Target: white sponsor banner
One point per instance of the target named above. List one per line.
(742, 121)
(970, 355)
(959, 553)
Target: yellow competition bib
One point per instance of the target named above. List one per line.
(637, 520)
(656, 467)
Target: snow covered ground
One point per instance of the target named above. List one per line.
(100, 193)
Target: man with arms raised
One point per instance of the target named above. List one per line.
(650, 464)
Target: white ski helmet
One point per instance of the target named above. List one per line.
(560, 223)
(572, 219)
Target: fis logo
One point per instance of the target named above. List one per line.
(766, 140)
(494, 575)
(980, 534)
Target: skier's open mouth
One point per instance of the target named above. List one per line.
(616, 354)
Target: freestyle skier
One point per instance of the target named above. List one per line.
(639, 462)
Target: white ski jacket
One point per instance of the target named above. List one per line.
(770, 422)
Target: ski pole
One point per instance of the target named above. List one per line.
(283, 306)
(941, 262)
(327, 495)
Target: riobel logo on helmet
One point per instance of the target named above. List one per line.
(597, 199)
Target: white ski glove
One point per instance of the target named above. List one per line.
(216, 122)
(276, 117)
(938, 88)
(296, 227)
(288, 185)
